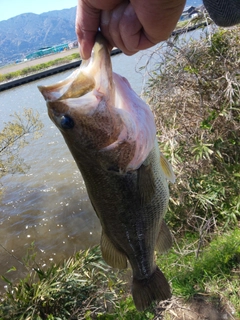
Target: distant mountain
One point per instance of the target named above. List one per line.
(28, 32)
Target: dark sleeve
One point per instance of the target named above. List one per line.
(224, 13)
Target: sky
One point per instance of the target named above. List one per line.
(12, 8)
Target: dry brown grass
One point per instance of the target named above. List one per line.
(198, 308)
(194, 92)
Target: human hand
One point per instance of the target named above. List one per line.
(129, 25)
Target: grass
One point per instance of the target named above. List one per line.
(81, 284)
(195, 94)
(208, 273)
(84, 287)
(37, 68)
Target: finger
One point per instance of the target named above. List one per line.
(104, 26)
(112, 33)
(87, 23)
(110, 27)
(130, 29)
(158, 18)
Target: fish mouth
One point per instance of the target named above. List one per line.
(84, 101)
(85, 78)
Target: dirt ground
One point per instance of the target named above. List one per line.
(198, 308)
(30, 63)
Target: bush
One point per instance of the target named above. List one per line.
(80, 286)
(14, 136)
(195, 95)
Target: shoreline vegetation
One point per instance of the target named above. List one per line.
(194, 93)
(38, 67)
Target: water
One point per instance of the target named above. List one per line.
(49, 205)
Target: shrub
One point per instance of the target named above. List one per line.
(81, 285)
(194, 92)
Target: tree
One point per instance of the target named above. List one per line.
(13, 137)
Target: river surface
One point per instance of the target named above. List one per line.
(49, 205)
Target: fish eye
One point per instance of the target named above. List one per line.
(66, 122)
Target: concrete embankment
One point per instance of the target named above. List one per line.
(45, 73)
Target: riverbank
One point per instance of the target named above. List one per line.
(31, 63)
(60, 67)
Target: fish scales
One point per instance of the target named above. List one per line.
(116, 193)
(111, 134)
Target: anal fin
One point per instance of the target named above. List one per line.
(146, 183)
(111, 254)
(164, 240)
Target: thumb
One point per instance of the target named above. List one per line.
(87, 23)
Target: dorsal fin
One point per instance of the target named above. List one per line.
(167, 168)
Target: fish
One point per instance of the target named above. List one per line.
(111, 134)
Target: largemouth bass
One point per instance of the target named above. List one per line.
(111, 134)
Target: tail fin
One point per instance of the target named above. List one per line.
(146, 291)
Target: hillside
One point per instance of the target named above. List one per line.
(28, 32)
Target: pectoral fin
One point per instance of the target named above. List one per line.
(164, 240)
(167, 169)
(146, 183)
(111, 254)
